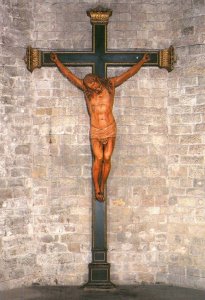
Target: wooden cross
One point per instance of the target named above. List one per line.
(99, 58)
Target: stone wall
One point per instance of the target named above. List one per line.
(156, 186)
(186, 103)
(17, 243)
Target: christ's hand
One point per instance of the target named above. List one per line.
(54, 57)
(146, 57)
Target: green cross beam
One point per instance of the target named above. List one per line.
(99, 58)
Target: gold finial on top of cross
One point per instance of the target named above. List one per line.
(99, 15)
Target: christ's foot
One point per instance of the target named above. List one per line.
(99, 196)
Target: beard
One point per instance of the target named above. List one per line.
(98, 90)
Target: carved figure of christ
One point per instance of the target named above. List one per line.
(99, 96)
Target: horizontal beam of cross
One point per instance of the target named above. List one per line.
(100, 58)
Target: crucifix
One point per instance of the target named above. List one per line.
(96, 86)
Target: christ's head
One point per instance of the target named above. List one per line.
(92, 82)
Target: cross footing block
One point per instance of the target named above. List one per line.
(99, 276)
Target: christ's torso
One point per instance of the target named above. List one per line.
(100, 107)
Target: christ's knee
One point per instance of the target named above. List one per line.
(107, 157)
(98, 158)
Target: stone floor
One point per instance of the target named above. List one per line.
(151, 292)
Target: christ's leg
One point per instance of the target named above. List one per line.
(108, 149)
(97, 167)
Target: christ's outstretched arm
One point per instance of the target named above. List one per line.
(118, 80)
(66, 72)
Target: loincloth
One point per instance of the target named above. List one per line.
(102, 134)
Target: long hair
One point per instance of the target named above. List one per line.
(92, 77)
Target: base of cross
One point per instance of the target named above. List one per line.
(99, 277)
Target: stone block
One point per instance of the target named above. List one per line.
(145, 277)
(177, 171)
(199, 127)
(191, 118)
(39, 172)
(191, 139)
(22, 149)
(199, 109)
(198, 3)
(192, 159)
(181, 129)
(43, 111)
(186, 201)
